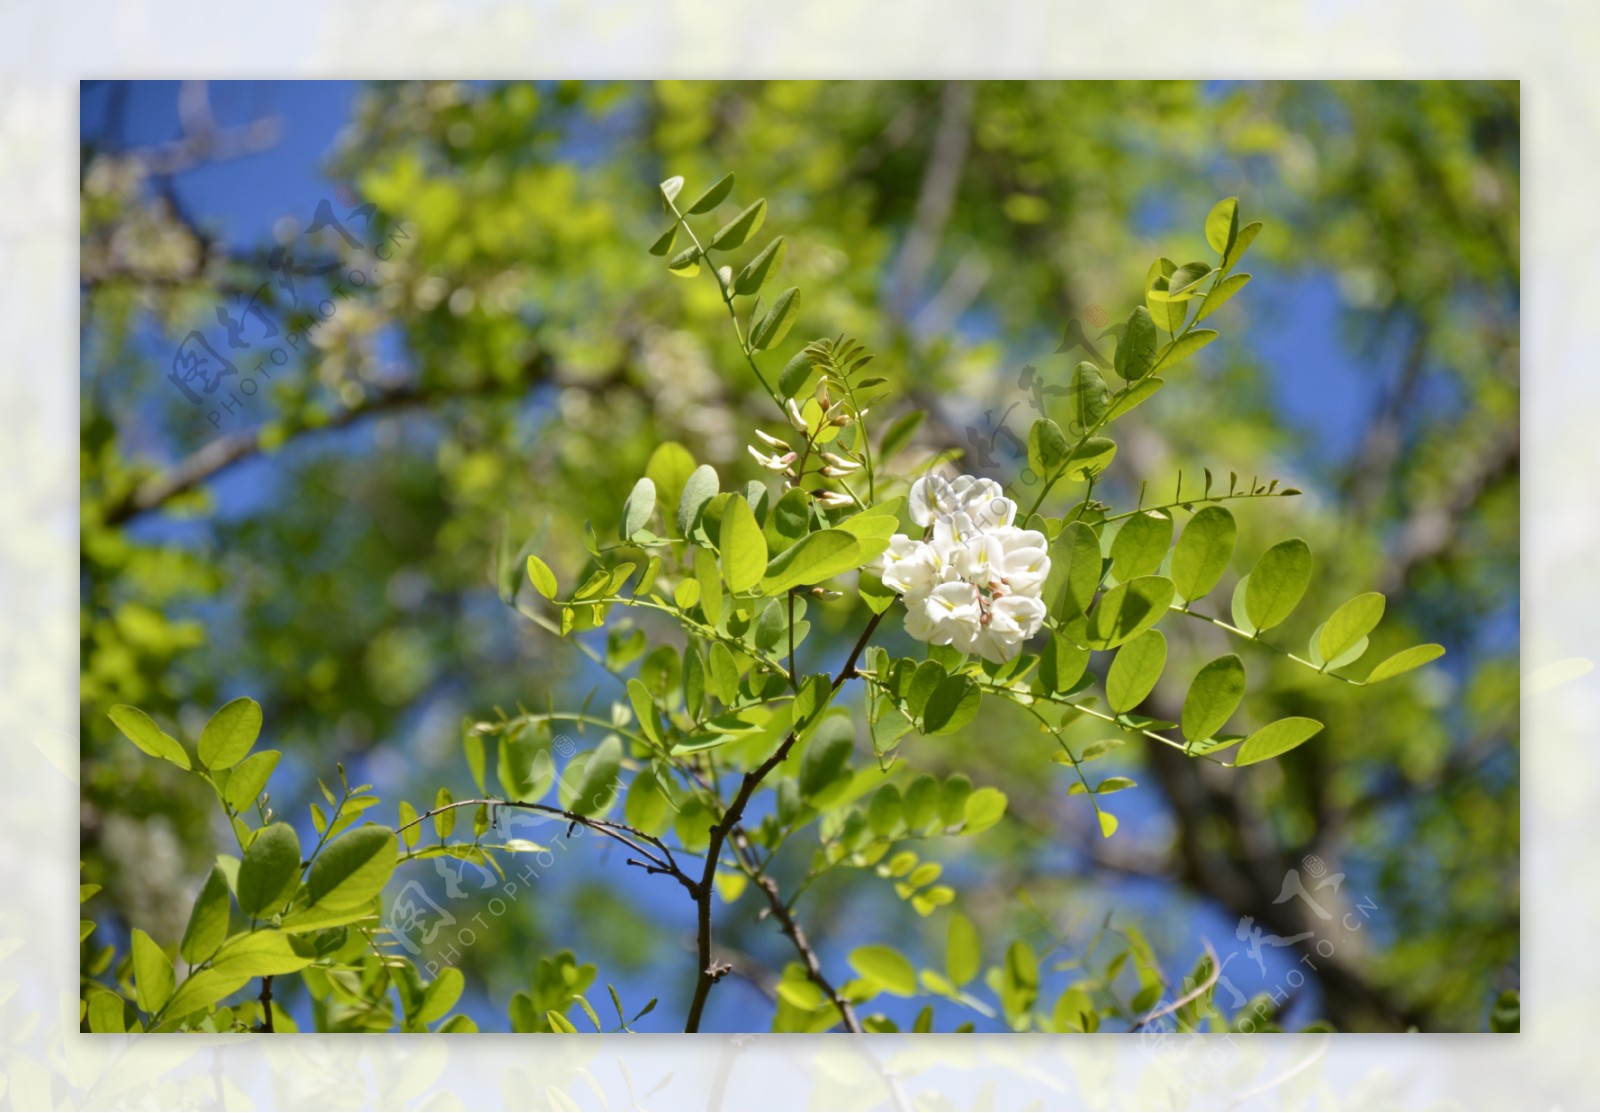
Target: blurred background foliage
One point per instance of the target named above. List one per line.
(338, 546)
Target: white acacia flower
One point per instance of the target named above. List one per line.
(1010, 621)
(947, 615)
(772, 463)
(975, 581)
(911, 565)
(983, 501)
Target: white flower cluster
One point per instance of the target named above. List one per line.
(975, 579)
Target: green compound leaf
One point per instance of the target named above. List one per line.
(758, 270)
(1128, 610)
(1277, 583)
(1213, 697)
(353, 868)
(1135, 670)
(775, 324)
(1405, 661)
(271, 864)
(1222, 226)
(744, 549)
(1348, 625)
(1047, 448)
(1203, 552)
(543, 580)
(1276, 738)
(886, 968)
(141, 730)
(227, 738)
(1141, 544)
(637, 510)
(740, 228)
(816, 557)
(698, 489)
(712, 197)
(208, 920)
(1136, 353)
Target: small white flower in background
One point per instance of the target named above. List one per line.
(975, 581)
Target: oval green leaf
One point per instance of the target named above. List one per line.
(1277, 583)
(208, 920)
(227, 738)
(1141, 544)
(698, 489)
(886, 968)
(816, 557)
(1136, 352)
(714, 196)
(637, 510)
(758, 270)
(1135, 670)
(744, 549)
(142, 731)
(740, 228)
(353, 868)
(1276, 738)
(1353, 621)
(1213, 697)
(952, 705)
(1092, 457)
(543, 580)
(1203, 552)
(1128, 610)
(1405, 661)
(270, 865)
(1047, 448)
(777, 321)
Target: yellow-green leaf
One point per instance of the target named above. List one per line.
(744, 549)
(1276, 738)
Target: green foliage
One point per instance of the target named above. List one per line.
(714, 707)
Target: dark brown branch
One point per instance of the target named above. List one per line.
(266, 1003)
(221, 454)
(797, 934)
(708, 973)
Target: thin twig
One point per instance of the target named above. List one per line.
(664, 863)
(708, 973)
(1196, 992)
